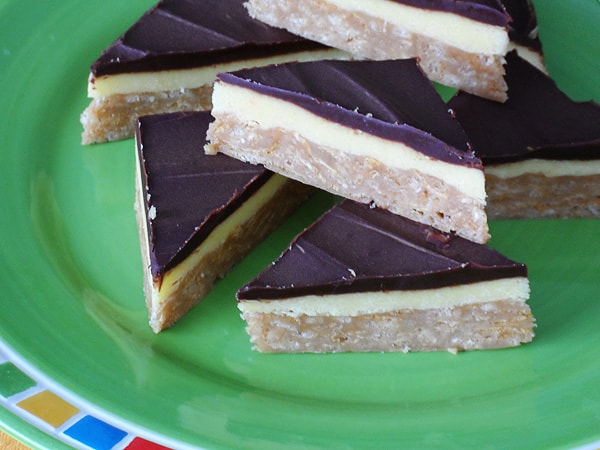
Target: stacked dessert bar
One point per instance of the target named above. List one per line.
(338, 96)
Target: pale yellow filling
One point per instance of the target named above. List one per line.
(458, 31)
(356, 304)
(168, 80)
(549, 168)
(531, 56)
(252, 107)
(214, 240)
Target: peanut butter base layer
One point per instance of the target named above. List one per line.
(535, 195)
(369, 37)
(114, 117)
(204, 270)
(420, 197)
(490, 325)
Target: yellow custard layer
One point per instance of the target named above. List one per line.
(458, 31)
(168, 80)
(162, 291)
(550, 168)
(356, 304)
(250, 106)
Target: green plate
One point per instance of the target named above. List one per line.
(72, 307)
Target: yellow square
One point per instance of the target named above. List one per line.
(49, 407)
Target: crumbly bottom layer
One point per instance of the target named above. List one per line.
(366, 36)
(163, 311)
(499, 324)
(114, 117)
(420, 197)
(532, 196)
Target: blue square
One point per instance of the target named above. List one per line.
(95, 433)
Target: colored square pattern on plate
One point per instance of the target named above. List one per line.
(29, 398)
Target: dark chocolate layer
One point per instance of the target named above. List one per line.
(486, 11)
(537, 121)
(523, 28)
(179, 34)
(356, 248)
(390, 99)
(190, 193)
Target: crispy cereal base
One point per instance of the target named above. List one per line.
(164, 312)
(114, 117)
(535, 196)
(369, 37)
(420, 197)
(490, 325)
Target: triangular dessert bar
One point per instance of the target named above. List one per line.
(198, 215)
(540, 149)
(168, 60)
(460, 43)
(362, 279)
(371, 131)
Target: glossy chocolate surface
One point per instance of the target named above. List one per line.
(190, 192)
(180, 34)
(523, 28)
(487, 11)
(537, 121)
(390, 99)
(356, 248)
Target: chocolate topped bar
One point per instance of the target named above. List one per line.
(182, 34)
(361, 279)
(459, 43)
(168, 60)
(371, 131)
(198, 215)
(537, 121)
(188, 193)
(358, 248)
(541, 149)
(377, 97)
